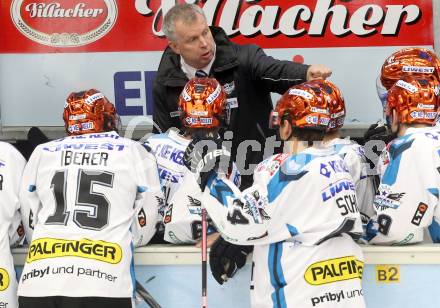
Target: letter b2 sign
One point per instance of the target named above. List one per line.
(387, 273)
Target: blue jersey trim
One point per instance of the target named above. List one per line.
(433, 191)
(293, 231)
(141, 189)
(286, 174)
(276, 275)
(370, 231)
(396, 150)
(434, 230)
(219, 190)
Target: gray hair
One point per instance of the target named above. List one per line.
(187, 13)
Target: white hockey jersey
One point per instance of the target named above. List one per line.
(408, 197)
(181, 210)
(354, 157)
(80, 194)
(11, 230)
(300, 214)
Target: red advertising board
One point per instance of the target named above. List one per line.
(60, 26)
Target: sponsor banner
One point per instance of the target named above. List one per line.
(333, 270)
(45, 248)
(55, 47)
(54, 26)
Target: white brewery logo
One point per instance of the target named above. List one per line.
(269, 20)
(80, 11)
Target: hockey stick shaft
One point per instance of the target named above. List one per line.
(146, 296)
(204, 259)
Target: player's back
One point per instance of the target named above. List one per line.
(409, 188)
(169, 149)
(11, 168)
(11, 231)
(354, 156)
(317, 216)
(313, 191)
(81, 191)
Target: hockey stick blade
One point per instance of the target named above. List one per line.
(146, 296)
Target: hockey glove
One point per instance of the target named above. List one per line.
(226, 258)
(206, 158)
(379, 132)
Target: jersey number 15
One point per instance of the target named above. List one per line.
(94, 212)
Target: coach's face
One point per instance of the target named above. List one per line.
(194, 42)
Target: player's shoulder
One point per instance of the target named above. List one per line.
(309, 159)
(347, 147)
(415, 141)
(9, 153)
(157, 137)
(8, 148)
(421, 136)
(171, 137)
(271, 164)
(110, 141)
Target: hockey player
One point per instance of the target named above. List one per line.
(300, 214)
(81, 194)
(408, 194)
(352, 153)
(11, 230)
(202, 113)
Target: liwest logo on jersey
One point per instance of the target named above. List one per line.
(333, 270)
(86, 146)
(4, 279)
(45, 248)
(335, 188)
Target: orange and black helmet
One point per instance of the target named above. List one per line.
(202, 103)
(89, 112)
(304, 106)
(420, 62)
(416, 100)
